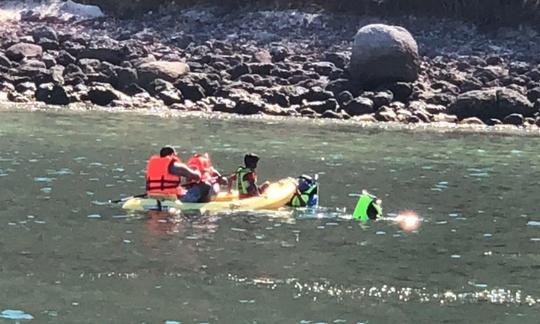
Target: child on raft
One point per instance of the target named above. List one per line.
(245, 178)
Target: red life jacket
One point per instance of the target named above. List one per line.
(158, 179)
(203, 164)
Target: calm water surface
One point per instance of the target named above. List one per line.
(65, 257)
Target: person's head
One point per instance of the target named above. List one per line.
(251, 160)
(166, 151)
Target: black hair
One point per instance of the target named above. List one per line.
(166, 151)
(250, 160)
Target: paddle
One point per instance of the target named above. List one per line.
(127, 198)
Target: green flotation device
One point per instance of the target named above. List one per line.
(368, 207)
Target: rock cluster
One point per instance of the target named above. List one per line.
(286, 63)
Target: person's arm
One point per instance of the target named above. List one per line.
(253, 190)
(182, 170)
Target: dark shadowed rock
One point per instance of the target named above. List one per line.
(103, 94)
(340, 60)
(382, 98)
(383, 53)
(44, 32)
(339, 85)
(279, 53)
(48, 44)
(513, 119)
(52, 94)
(48, 60)
(133, 89)
(401, 91)
(105, 49)
(239, 70)
(344, 98)
(295, 93)
(168, 71)
(276, 97)
(170, 97)
(190, 90)
(23, 50)
(262, 69)
(533, 94)
(222, 104)
(125, 77)
(322, 68)
(64, 58)
(494, 60)
(359, 106)
(5, 61)
(317, 94)
(442, 99)
(25, 86)
(38, 75)
(249, 106)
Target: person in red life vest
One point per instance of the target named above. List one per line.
(164, 174)
(245, 178)
(209, 174)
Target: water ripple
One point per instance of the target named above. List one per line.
(386, 293)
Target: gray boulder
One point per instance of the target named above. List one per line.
(494, 103)
(382, 54)
(42, 32)
(23, 50)
(105, 49)
(168, 71)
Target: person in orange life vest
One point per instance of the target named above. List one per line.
(164, 174)
(245, 178)
(209, 174)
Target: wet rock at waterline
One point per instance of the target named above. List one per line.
(495, 103)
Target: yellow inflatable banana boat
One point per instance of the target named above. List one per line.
(277, 195)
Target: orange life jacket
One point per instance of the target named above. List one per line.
(203, 164)
(158, 179)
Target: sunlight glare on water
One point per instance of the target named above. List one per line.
(465, 252)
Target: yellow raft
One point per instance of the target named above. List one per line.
(277, 195)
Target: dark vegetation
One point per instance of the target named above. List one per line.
(483, 12)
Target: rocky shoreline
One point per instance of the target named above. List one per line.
(279, 63)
